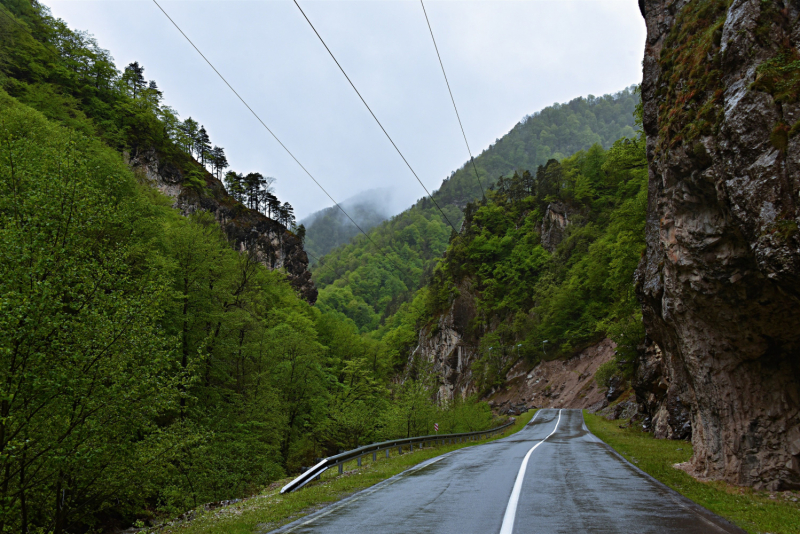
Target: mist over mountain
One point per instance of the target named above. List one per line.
(417, 237)
(328, 228)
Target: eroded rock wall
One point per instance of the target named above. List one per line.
(246, 229)
(553, 225)
(719, 282)
(446, 351)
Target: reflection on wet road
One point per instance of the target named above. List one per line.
(572, 483)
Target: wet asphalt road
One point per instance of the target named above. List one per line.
(573, 483)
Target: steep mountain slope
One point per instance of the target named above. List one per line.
(367, 284)
(70, 79)
(721, 278)
(329, 228)
(157, 345)
(541, 269)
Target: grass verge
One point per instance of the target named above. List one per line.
(755, 511)
(269, 509)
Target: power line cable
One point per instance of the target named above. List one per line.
(273, 134)
(453, 100)
(15, 21)
(318, 264)
(373, 115)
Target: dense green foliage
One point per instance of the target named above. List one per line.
(526, 296)
(67, 76)
(368, 282)
(145, 366)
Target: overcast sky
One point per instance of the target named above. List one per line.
(504, 60)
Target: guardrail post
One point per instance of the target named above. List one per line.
(387, 453)
(399, 449)
(410, 447)
(341, 467)
(359, 461)
(375, 456)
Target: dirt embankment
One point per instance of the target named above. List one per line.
(555, 384)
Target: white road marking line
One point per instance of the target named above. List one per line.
(511, 510)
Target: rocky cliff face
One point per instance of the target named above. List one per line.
(721, 277)
(445, 350)
(554, 222)
(448, 349)
(246, 229)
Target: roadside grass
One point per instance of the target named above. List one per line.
(269, 509)
(755, 511)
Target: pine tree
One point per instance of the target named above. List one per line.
(253, 183)
(189, 128)
(234, 182)
(287, 213)
(134, 77)
(202, 144)
(153, 93)
(272, 204)
(218, 160)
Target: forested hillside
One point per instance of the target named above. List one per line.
(367, 280)
(147, 365)
(544, 266)
(328, 228)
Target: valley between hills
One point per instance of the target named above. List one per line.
(175, 346)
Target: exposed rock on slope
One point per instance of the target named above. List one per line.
(445, 349)
(663, 393)
(246, 229)
(449, 352)
(558, 383)
(554, 222)
(720, 279)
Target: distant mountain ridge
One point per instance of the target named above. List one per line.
(376, 276)
(328, 228)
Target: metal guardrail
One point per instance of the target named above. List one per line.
(356, 454)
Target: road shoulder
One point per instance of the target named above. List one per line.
(754, 511)
(269, 510)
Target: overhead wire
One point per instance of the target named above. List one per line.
(373, 115)
(318, 262)
(15, 21)
(453, 100)
(307, 252)
(273, 134)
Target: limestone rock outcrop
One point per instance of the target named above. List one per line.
(720, 280)
(554, 223)
(247, 230)
(445, 351)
